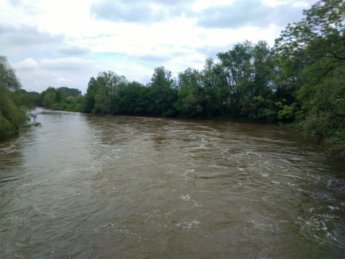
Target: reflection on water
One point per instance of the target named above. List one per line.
(84, 186)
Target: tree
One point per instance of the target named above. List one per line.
(11, 116)
(189, 103)
(103, 93)
(249, 73)
(163, 93)
(62, 98)
(50, 98)
(315, 43)
(214, 89)
(28, 100)
(133, 99)
(90, 95)
(8, 77)
(313, 53)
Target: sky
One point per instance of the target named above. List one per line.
(66, 42)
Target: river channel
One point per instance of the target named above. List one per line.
(82, 186)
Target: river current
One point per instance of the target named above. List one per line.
(83, 186)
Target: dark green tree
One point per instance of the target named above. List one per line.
(103, 93)
(214, 89)
(313, 54)
(50, 98)
(189, 103)
(11, 115)
(90, 95)
(133, 99)
(163, 93)
(249, 72)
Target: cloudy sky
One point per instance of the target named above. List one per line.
(65, 42)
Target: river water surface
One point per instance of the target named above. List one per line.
(82, 186)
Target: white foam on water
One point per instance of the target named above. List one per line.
(264, 174)
(188, 171)
(188, 225)
(196, 204)
(7, 150)
(185, 197)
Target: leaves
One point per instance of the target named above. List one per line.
(11, 115)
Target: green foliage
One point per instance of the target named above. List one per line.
(112, 94)
(324, 110)
(90, 96)
(7, 129)
(249, 72)
(313, 52)
(190, 97)
(162, 93)
(286, 112)
(134, 99)
(102, 95)
(8, 78)
(11, 116)
(214, 89)
(62, 98)
(28, 100)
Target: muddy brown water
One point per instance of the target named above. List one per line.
(84, 186)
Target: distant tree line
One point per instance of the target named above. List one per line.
(301, 80)
(62, 98)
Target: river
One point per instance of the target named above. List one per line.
(83, 186)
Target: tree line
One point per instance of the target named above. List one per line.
(300, 81)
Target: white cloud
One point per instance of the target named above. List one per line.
(250, 12)
(39, 74)
(138, 11)
(19, 38)
(73, 51)
(71, 64)
(201, 5)
(27, 64)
